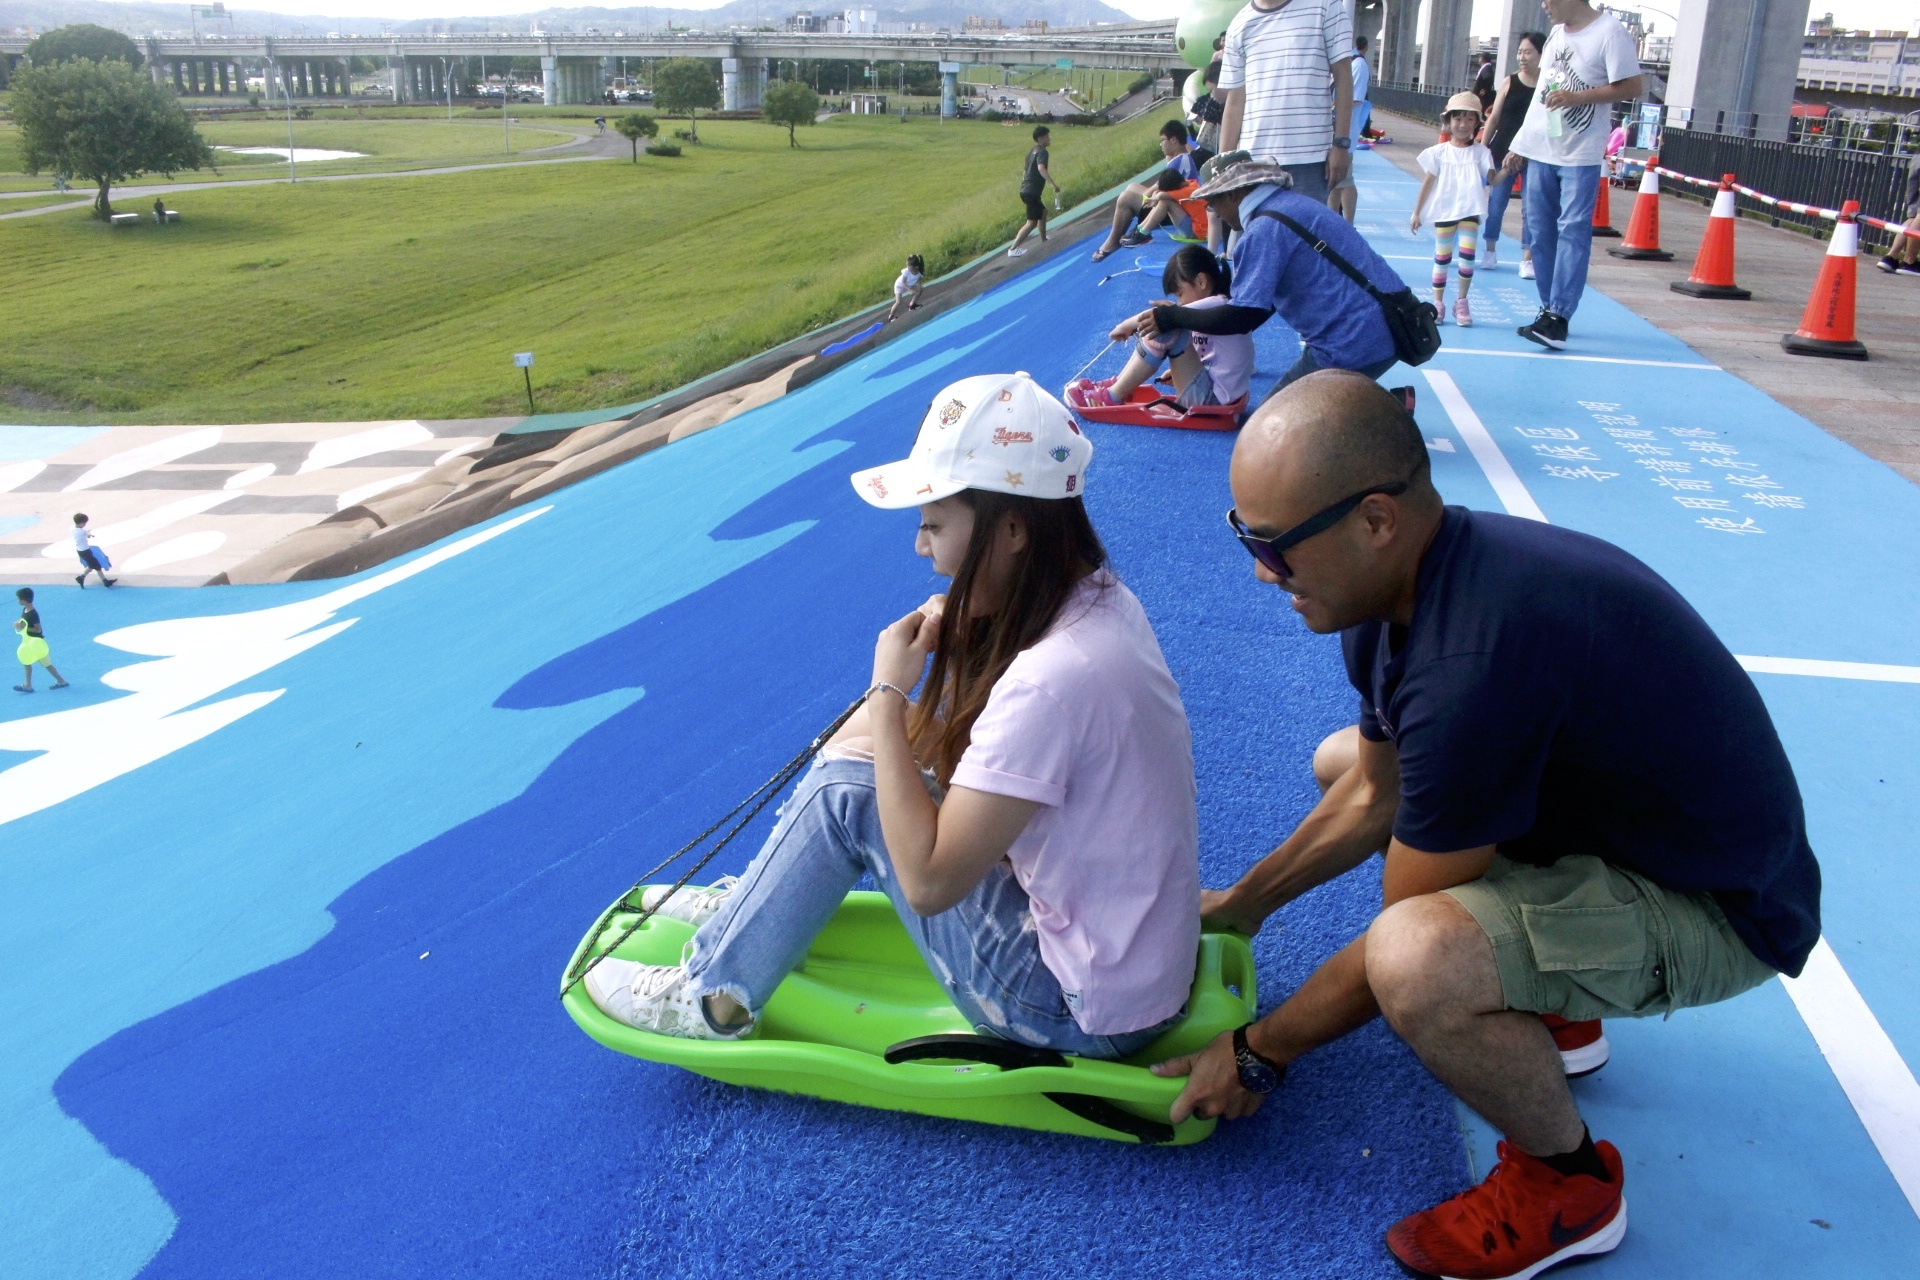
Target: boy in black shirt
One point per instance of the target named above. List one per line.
(1033, 185)
(33, 644)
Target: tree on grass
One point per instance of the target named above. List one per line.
(791, 103)
(681, 86)
(634, 126)
(105, 122)
(83, 42)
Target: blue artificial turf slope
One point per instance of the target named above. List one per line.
(359, 1110)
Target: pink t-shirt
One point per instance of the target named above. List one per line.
(1088, 723)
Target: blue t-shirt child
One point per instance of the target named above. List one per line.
(1274, 269)
(1555, 696)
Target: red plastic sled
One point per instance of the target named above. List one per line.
(1151, 407)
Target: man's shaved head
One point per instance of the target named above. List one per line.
(1323, 439)
(1334, 433)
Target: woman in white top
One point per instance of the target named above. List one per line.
(1453, 196)
(1031, 816)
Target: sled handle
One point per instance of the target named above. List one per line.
(1004, 1054)
(1099, 1111)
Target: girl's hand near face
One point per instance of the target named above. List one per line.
(900, 654)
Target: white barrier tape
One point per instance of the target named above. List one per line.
(1792, 206)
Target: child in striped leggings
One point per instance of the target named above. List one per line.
(1453, 196)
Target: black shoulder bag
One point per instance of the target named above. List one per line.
(1413, 324)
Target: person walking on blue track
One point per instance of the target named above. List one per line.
(1055, 889)
(1503, 123)
(1277, 268)
(1584, 806)
(1589, 62)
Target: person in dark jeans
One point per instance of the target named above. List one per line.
(1034, 181)
(1510, 106)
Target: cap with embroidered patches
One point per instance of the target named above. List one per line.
(997, 431)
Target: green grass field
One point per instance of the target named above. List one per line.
(385, 144)
(406, 297)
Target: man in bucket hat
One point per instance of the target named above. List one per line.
(1276, 268)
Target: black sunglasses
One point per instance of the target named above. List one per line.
(1271, 552)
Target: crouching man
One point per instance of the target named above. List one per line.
(1585, 810)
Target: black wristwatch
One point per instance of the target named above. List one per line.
(1257, 1074)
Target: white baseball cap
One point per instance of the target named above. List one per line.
(997, 431)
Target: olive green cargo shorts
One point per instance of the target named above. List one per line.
(1586, 939)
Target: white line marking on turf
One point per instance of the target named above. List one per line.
(1837, 670)
(1500, 473)
(1863, 1058)
(1876, 1079)
(1561, 355)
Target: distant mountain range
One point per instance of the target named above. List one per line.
(138, 18)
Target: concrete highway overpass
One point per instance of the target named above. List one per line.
(576, 67)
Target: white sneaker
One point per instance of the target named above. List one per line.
(1526, 268)
(1488, 259)
(693, 904)
(652, 997)
(1016, 253)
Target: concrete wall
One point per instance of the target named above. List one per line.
(1740, 57)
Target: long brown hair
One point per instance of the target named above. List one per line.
(973, 653)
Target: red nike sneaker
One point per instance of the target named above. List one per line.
(1523, 1219)
(1582, 1045)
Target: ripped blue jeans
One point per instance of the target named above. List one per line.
(983, 950)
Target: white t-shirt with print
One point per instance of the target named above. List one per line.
(1087, 723)
(906, 284)
(1227, 357)
(1284, 59)
(1460, 181)
(1599, 53)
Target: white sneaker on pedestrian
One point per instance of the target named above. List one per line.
(1526, 268)
(1488, 259)
(694, 903)
(1462, 316)
(1016, 253)
(652, 997)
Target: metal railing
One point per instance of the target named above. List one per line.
(1415, 101)
(1815, 175)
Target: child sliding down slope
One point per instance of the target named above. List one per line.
(1207, 368)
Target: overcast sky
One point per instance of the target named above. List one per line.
(1486, 13)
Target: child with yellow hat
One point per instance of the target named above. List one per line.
(1453, 196)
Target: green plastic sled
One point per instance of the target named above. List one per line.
(863, 1021)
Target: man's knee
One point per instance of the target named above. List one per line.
(1427, 956)
(1338, 752)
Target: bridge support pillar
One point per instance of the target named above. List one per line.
(1517, 16)
(949, 90)
(179, 77)
(1399, 36)
(1741, 57)
(346, 78)
(550, 80)
(1443, 53)
(743, 83)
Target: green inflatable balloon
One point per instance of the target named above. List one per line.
(1200, 26)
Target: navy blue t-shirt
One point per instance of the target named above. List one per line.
(1554, 696)
(1274, 269)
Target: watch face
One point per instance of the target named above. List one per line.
(1256, 1076)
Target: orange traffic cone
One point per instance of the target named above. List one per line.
(1826, 329)
(1712, 274)
(1643, 230)
(1603, 212)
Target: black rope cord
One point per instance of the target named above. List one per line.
(757, 800)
